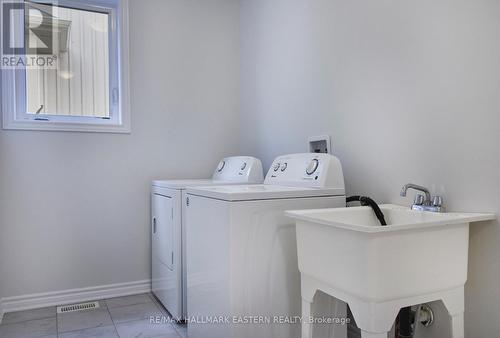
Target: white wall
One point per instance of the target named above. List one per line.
(75, 206)
(409, 91)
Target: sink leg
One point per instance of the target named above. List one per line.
(365, 334)
(457, 325)
(374, 319)
(454, 302)
(306, 322)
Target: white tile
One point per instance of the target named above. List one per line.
(80, 320)
(23, 316)
(96, 332)
(145, 329)
(134, 312)
(29, 329)
(181, 329)
(161, 307)
(128, 300)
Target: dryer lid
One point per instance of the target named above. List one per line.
(182, 184)
(230, 170)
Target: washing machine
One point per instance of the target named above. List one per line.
(242, 270)
(168, 240)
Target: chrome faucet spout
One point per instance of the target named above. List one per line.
(405, 188)
(427, 203)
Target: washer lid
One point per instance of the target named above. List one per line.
(260, 192)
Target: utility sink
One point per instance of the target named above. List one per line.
(418, 257)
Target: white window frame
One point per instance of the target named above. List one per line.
(13, 81)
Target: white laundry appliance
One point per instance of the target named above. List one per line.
(168, 240)
(242, 270)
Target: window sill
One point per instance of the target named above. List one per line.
(62, 126)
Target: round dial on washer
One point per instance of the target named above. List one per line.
(312, 167)
(243, 166)
(284, 166)
(276, 166)
(221, 166)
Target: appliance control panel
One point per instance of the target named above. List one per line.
(307, 169)
(239, 169)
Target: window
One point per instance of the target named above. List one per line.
(65, 65)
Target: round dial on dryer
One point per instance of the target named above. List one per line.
(276, 166)
(221, 166)
(284, 166)
(243, 166)
(312, 167)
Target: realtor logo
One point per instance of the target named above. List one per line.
(28, 29)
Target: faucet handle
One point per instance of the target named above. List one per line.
(419, 199)
(437, 201)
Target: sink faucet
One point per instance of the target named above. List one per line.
(427, 203)
(427, 200)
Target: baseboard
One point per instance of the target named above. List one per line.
(39, 300)
(1, 311)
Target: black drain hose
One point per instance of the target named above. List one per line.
(367, 201)
(405, 313)
(405, 330)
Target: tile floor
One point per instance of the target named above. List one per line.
(122, 317)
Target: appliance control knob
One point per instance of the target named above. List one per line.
(243, 166)
(221, 166)
(312, 167)
(276, 166)
(284, 166)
